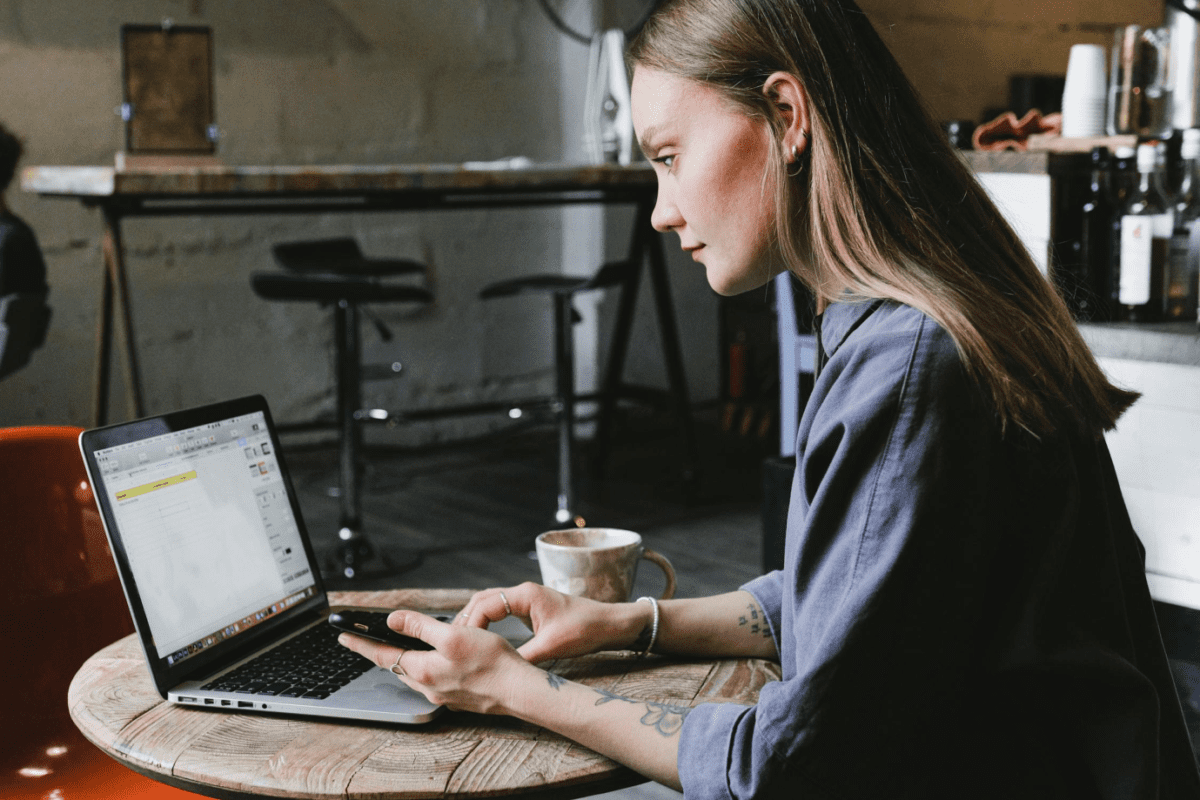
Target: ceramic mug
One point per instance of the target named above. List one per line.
(599, 563)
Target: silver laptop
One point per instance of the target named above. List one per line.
(220, 574)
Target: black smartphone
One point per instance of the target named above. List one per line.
(373, 625)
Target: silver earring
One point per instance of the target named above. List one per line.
(796, 160)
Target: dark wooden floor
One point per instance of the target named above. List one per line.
(471, 510)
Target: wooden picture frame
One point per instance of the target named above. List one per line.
(168, 83)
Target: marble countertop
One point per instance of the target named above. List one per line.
(1163, 342)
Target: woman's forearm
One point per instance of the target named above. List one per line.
(472, 669)
(730, 624)
(644, 734)
(641, 734)
(726, 625)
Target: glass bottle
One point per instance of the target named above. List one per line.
(1093, 301)
(1122, 178)
(1183, 255)
(1145, 237)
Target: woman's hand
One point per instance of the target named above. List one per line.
(563, 625)
(472, 669)
(469, 669)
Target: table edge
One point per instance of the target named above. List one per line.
(98, 182)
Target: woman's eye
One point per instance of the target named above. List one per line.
(666, 161)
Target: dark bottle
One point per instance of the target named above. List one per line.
(1145, 236)
(1122, 178)
(1094, 298)
(1183, 255)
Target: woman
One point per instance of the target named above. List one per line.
(963, 609)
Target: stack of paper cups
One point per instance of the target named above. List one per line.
(1085, 92)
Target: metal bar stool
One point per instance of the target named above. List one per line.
(563, 288)
(334, 271)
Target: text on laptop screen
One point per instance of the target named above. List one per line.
(208, 532)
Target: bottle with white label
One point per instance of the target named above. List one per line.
(1183, 257)
(1146, 224)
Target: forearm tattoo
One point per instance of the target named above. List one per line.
(555, 681)
(755, 621)
(664, 718)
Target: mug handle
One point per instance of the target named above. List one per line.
(668, 571)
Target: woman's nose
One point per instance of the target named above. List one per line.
(666, 216)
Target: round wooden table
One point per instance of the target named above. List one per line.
(458, 755)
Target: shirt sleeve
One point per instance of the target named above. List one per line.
(701, 774)
(768, 591)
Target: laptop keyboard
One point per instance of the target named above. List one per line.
(312, 664)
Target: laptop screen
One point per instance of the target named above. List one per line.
(206, 527)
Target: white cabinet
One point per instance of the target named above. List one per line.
(1024, 199)
(1156, 451)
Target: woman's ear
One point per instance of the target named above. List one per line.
(790, 101)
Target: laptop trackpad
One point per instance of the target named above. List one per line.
(378, 689)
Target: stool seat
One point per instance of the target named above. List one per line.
(608, 275)
(329, 288)
(340, 256)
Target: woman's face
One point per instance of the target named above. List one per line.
(713, 188)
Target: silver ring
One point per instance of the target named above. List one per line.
(507, 607)
(396, 668)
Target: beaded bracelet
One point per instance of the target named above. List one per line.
(653, 627)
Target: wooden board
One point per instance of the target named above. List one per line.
(196, 183)
(168, 88)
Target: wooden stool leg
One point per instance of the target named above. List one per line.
(104, 326)
(646, 249)
(615, 369)
(115, 299)
(672, 353)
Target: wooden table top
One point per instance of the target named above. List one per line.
(458, 755)
(266, 181)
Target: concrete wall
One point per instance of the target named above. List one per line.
(309, 81)
(377, 81)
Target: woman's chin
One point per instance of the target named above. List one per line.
(728, 285)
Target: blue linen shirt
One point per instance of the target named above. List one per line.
(959, 613)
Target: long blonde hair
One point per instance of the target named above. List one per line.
(886, 208)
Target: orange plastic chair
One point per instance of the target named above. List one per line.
(60, 601)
